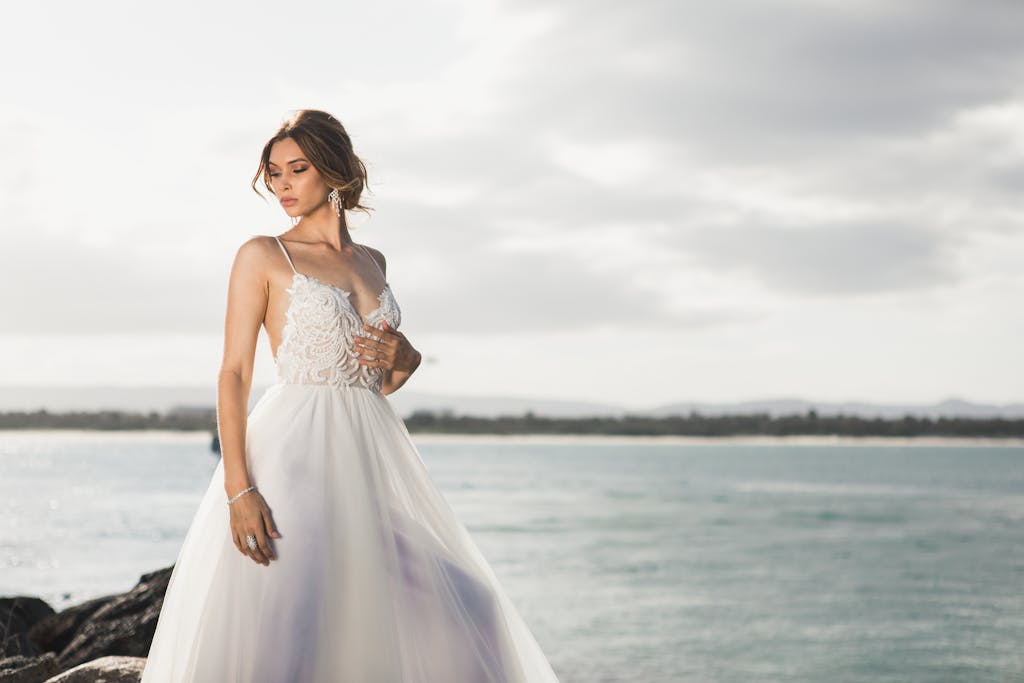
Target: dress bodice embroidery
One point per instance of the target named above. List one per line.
(321, 324)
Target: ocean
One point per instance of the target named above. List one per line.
(633, 560)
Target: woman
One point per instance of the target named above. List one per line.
(336, 558)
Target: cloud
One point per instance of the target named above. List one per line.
(70, 286)
(753, 80)
(829, 260)
(844, 123)
(579, 166)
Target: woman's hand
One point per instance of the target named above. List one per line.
(392, 352)
(250, 516)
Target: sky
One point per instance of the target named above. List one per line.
(633, 203)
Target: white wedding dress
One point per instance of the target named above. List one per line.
(375, 578)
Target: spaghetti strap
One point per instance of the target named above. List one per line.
(286, 254)
(374, 262)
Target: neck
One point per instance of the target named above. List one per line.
(324, 225)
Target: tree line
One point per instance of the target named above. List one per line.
(693, 424)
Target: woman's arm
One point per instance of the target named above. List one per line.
(248, 294)
(403, 359)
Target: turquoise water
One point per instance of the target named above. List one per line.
(629, 561)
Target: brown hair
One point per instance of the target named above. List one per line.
(326, 144)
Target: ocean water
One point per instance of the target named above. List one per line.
(633, 561)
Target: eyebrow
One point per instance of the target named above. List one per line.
(290, 162)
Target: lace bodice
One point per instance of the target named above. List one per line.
(321, 324)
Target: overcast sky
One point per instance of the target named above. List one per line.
(628, 202)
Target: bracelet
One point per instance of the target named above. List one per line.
(242, 493)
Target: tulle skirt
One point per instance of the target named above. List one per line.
(375, 579)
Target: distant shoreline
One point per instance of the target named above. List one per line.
(692, 428)
(203, 436)
(752, 439)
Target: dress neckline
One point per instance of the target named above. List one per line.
(347, 295)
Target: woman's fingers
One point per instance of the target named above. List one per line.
(264, 535)
(377, 332)
(264, 546)
(379, 354)
(380, 357)
(387, 341)
(243, 547)
(260, 553)
(269, 527)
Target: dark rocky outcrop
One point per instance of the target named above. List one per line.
(22, 669)
(104, 670)
(110, 627)
(17, 615)
(56, 631)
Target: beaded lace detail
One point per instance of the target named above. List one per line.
(321, 324)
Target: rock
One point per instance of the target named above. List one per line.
(20, 669)
(17, 615)
(54, 633)
(114, 625)
(104, 670)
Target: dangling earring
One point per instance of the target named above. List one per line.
(335, 198)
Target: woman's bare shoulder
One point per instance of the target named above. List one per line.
(378, 256)
(254, 258)
(256, 247)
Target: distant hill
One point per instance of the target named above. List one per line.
(950, 407)
(186, 398)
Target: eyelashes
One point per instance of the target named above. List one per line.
(298, 170)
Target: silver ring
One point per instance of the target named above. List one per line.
(250, 541)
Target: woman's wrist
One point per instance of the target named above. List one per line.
(233, 486)
(241, 493)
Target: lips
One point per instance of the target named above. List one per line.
(288, 201)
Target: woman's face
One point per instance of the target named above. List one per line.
(295, 181)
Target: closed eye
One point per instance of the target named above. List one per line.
(298, 170)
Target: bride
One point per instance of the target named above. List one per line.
(322, 550)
